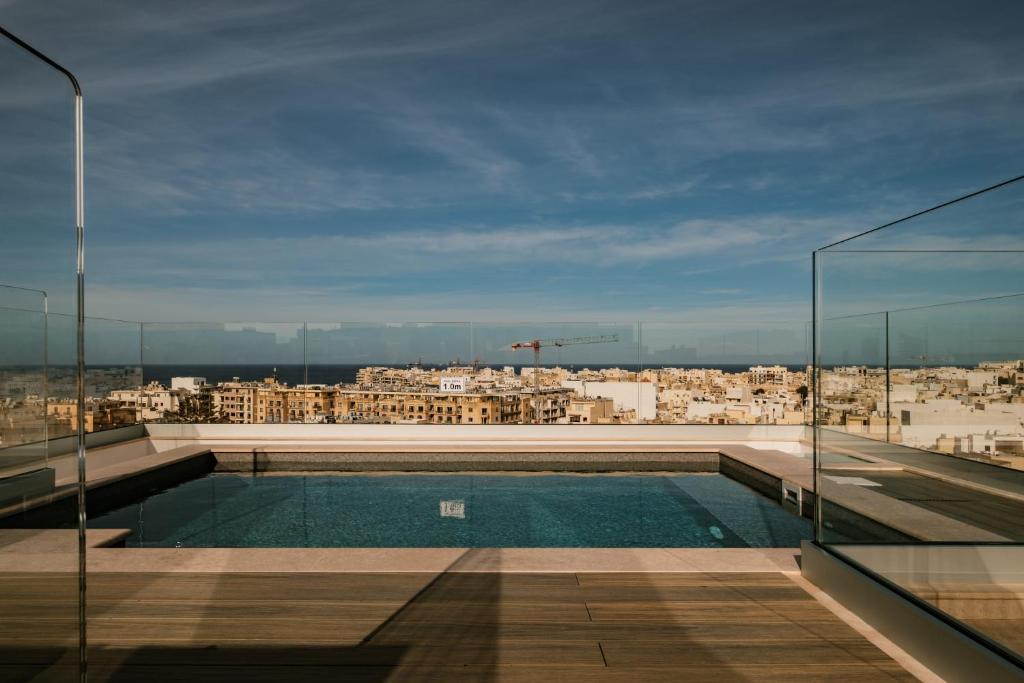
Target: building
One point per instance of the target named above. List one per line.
(435, 407)
(590, 411)
(639, 397)
(190, 384)
(150, 403)
(236, 402)
(774, 374)
(99, 414)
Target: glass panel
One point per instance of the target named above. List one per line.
(930, 497)
(62, 374)
(113, 377)
(258, 368)
(113, 374)
(852, 402)
(955, 370)
(728, 373)
(392, 373)
(39, 559)
(22, 377)
(853, 379)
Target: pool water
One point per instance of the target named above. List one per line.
(459, 510)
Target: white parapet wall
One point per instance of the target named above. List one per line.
(499, 437)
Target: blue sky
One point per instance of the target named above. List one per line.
(560, 161)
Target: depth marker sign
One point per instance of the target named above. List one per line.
(453, 508)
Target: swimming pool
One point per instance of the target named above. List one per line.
(458, 510)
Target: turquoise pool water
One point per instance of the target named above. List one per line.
(459, 510)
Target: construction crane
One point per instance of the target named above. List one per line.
(538, 344)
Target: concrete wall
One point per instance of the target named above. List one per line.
(639, 396)
(950, 652)
(677, 434)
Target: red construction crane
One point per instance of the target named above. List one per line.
(537, 344)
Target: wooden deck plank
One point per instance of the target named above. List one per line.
(713, 593)
(678, 611)
(613, 583)
(782, 633)
(686, 652)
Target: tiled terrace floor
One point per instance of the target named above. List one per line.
(255, 627)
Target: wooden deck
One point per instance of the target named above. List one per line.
(450, 627)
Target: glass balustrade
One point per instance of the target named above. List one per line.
(41, 598)
(433, 373)
(919, 352)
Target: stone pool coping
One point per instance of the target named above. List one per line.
(51, 541)
(412, 560)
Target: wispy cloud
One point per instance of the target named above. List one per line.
(401, 253)
(436, 157)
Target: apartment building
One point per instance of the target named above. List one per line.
(150, 402)
(771, 374)
(591, 411)
(271, 401)
(236, 401)
(424, 406)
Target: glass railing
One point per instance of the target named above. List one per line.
(433, 373)
(40, 572)
(940, 378)
(736, 373)
(23, 387)
(919, 345)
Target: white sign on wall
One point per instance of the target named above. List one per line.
(453, 508)
(454, 385)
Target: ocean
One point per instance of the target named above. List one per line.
(346, 373)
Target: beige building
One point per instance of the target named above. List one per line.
(591, 411)
(272, 402)
(236, 402)
(150, 402)
(434, 407)
(770, 374)
(99, 415)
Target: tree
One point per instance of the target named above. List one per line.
(802, 390)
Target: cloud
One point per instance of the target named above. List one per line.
(202, 44)
(320, 307)
(387, 253)
(427, 159)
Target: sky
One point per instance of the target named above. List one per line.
(275, 160)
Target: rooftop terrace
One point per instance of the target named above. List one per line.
(671, 499)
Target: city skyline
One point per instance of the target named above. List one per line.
(973, 412)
